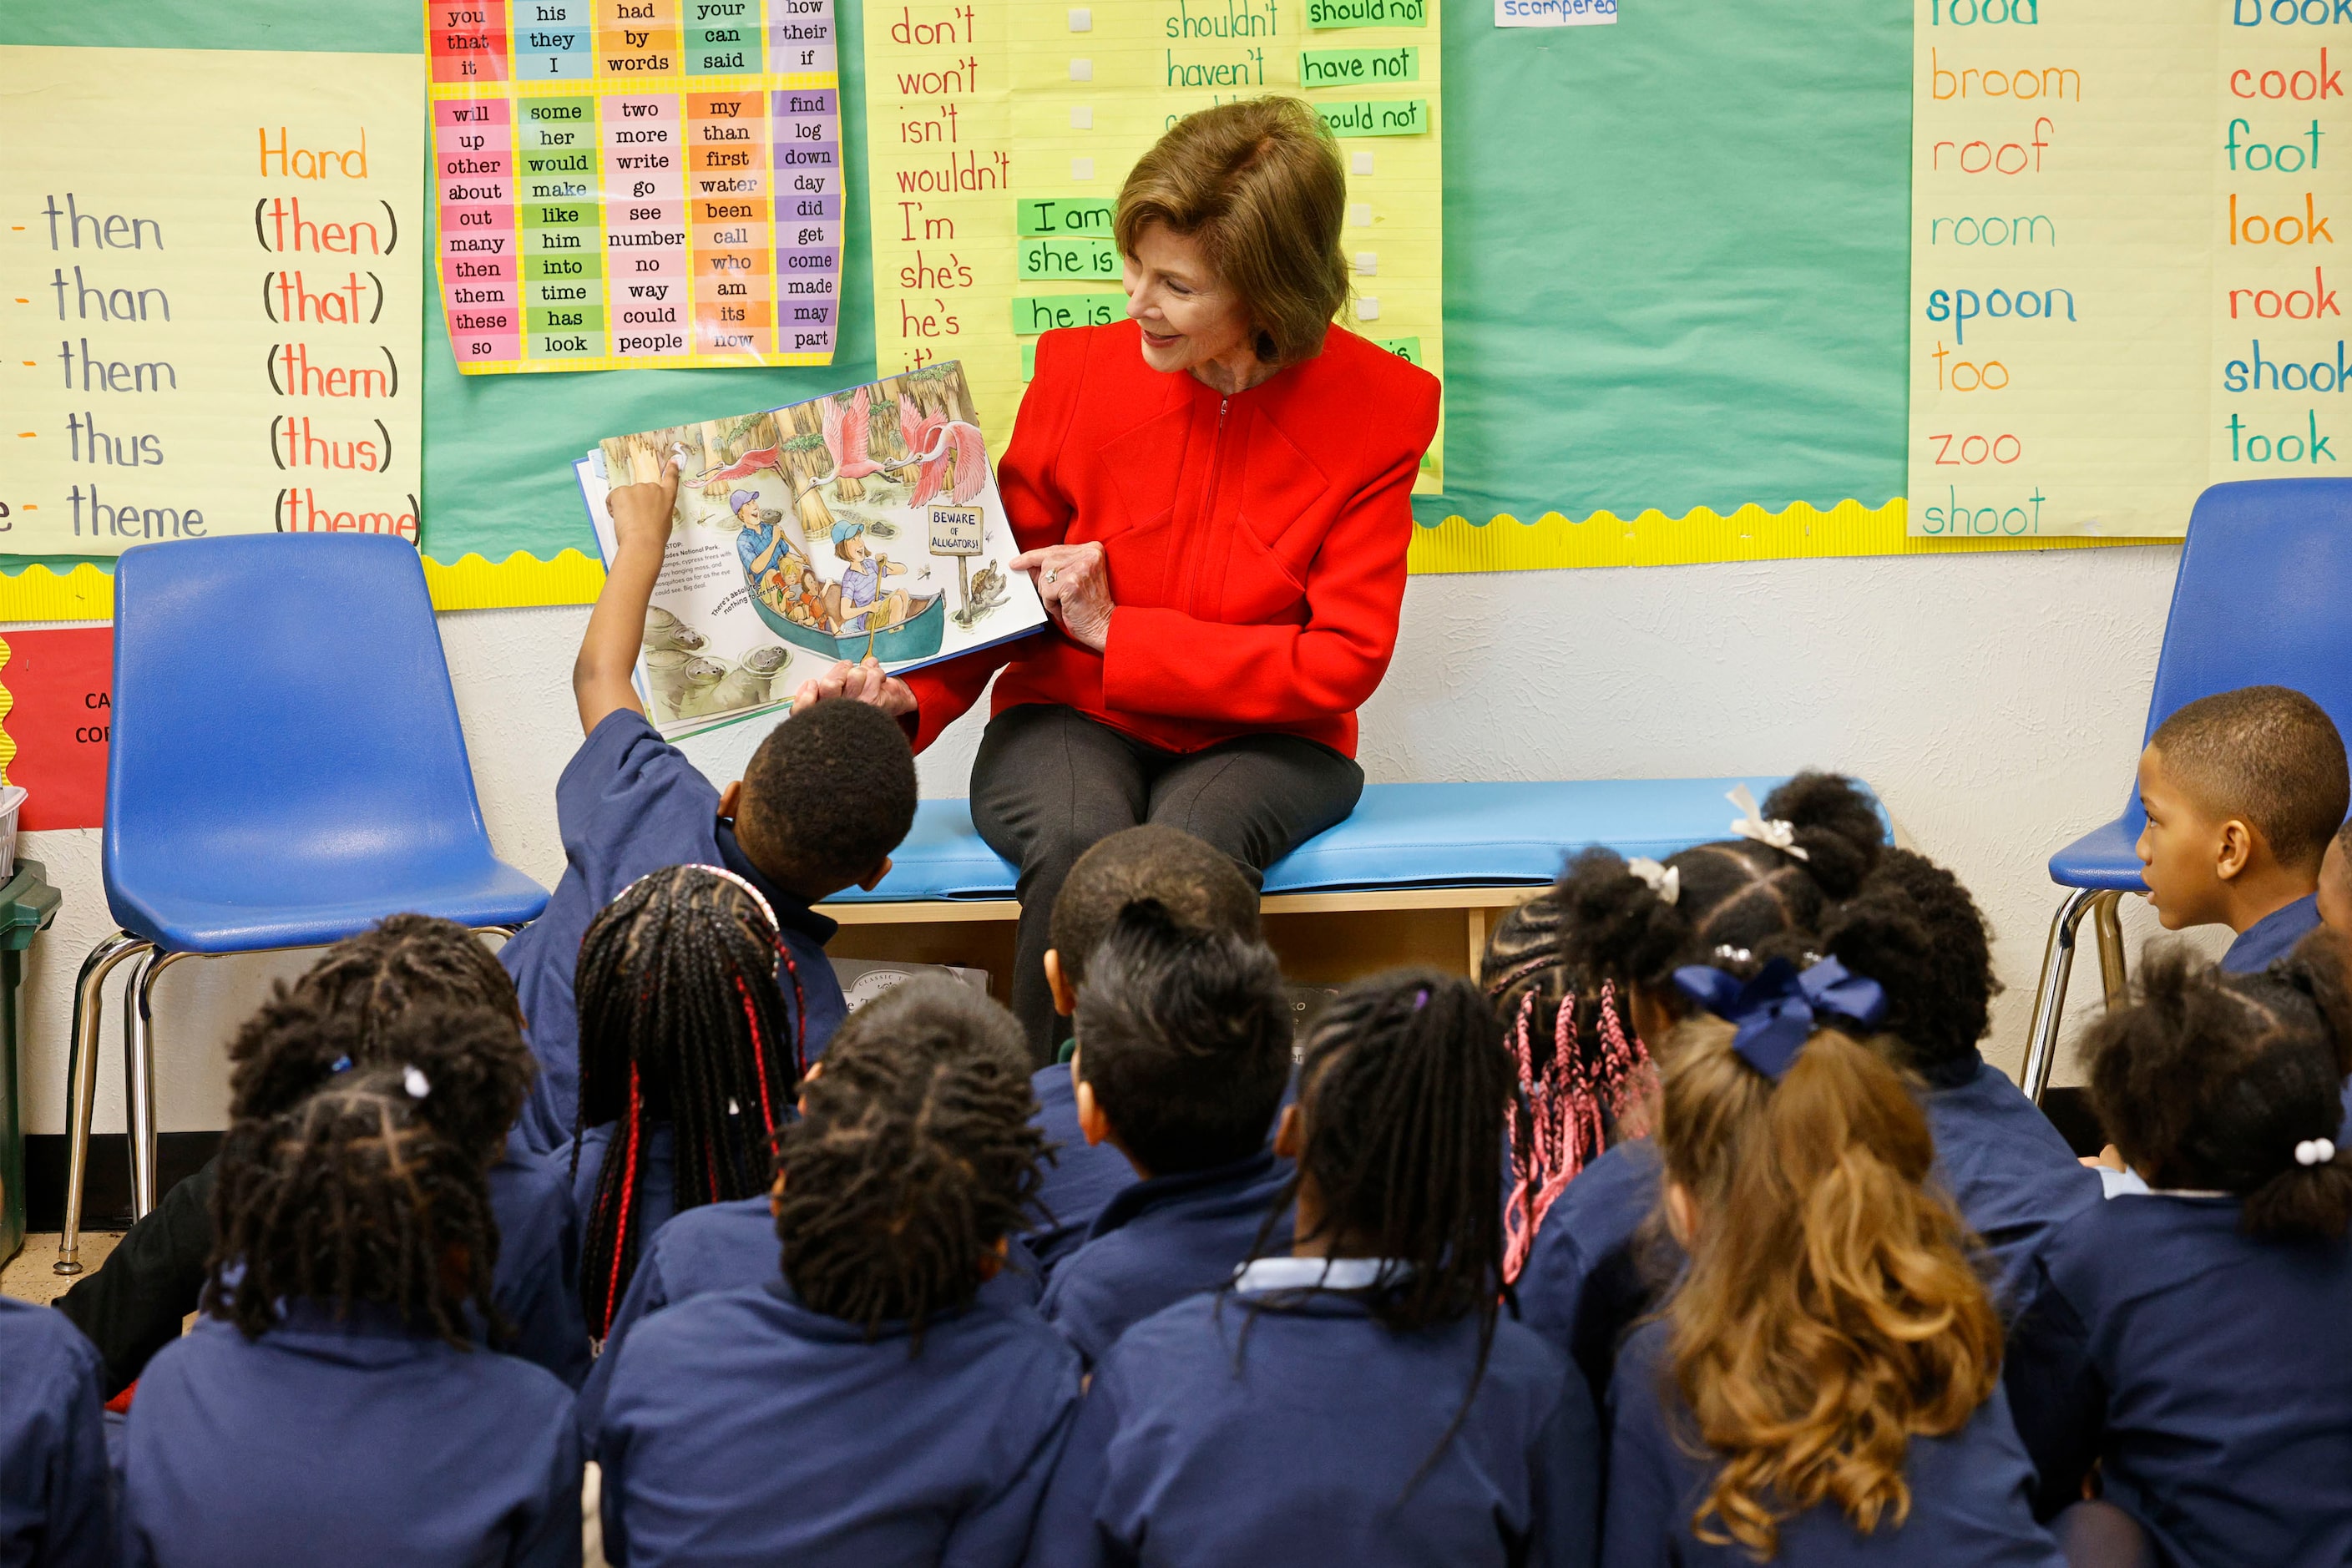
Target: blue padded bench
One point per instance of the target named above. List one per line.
(1420, 869)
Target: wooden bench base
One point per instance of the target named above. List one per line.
(1321, 938)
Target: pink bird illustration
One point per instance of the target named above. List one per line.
(744, 467)
(931, 440)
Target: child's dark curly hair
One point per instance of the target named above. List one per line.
(913, 1158)
(352, 1197)
(1736, 896)
(1915, 929)
(2222, 1082)
(348, 1011)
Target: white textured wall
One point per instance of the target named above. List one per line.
(1995, 701)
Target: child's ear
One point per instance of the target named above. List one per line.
(874, 880)
(1066, 995)
(1091, 1120)
(991, 1262)
(1682, 1214)
(2235, 849)
(776, 1196)
(1290, 1133)
(730, 799)
(816, 1070)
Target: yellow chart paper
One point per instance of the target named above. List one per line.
(999, 133)
(2125, 285)
(211, 296)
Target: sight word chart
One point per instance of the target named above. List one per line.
(211, 306)
(637, 184)
(2124, 273)
(1000, 132)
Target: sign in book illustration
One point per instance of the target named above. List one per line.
(864, 522)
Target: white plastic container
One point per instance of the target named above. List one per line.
(11, 801)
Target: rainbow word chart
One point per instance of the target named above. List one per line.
(2123, 258)
(629, 185)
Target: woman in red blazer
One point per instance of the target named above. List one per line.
(1213, 500)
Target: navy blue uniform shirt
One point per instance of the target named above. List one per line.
(2271, 937)
(629, 803)
(537, 1282)
(657, 1198)
(1968, 1491)
(731, 1246)
(1160, 1241)
(1305, 1432)
(54, 1507)
(2206, 1373)
(744, 1428)
(1596, 1268)
(1080, 1178)
(353, 1441)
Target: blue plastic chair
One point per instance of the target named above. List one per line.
(2261, 599)
(286, 769)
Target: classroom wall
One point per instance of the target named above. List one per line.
(1996, 702)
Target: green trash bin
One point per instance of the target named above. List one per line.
(27, 905)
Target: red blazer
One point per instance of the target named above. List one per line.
(1255, 544)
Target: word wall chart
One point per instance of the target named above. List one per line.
(637, 184)
(211, 311)
(1001, 130)
(2124, 270)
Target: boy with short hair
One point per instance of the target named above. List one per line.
(1183, 1055)
(826, 797)
(2243, 790)
(1202, 889)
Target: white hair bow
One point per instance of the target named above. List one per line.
(2313, 1152)
(1752, 823)
(1666, 882)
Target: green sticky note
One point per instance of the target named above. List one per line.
(1042, 215)
(1034, 314)
(1367, 117)
(1028, 362)
(1357, 67)
(1070, 260)
(1367, 13)
(1405, 349)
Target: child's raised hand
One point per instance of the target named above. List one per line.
(641, 513)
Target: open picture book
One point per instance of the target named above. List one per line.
(862, 522)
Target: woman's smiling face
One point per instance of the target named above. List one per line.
(1189, 315)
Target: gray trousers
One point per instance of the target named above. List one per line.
(1049, 783)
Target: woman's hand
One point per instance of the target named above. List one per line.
(863, 682)
(1073, 581)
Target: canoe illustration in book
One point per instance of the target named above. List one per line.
(917, 636)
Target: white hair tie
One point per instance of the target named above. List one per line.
(2315, 1151)
(1666, 882)
(1735, 954)
(415, 1083)
(1752, 823)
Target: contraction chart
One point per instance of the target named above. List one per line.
(637, 184)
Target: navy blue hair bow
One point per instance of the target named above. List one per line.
(1776, 1013)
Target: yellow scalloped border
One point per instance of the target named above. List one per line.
(470, 583)
(1704, 535)
(7, 706)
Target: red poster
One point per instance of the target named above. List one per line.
(63, 682)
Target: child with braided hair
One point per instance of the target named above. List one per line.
(727, 1245)
(822, 804)
(689, 1062)
(1359, 1400)
(335, 1017)
(332, 1405)
(1580, 1215)
(1823, 1386)
(874, 1404)
(2186, 1344)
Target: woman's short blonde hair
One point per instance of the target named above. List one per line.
(1259, 185)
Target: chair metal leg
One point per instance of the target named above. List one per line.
(2110, 930)
(138, 1077)
(2050, 996)
(82, 1082)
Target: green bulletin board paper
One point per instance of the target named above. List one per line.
(498, 450)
